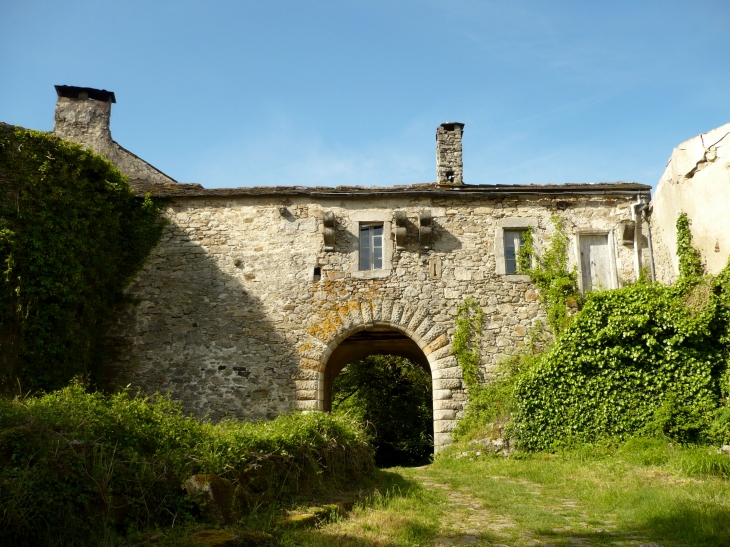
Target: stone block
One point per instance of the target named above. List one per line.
(447, 383)
(447, 373)
(306, 385)
(306, 404)
(439, 394)
(444, 414)
(443, 426)
(306, 394)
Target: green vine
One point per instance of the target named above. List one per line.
(525, 252)
(72, 236)
(557, 283)
(465, 344)
(690, 260)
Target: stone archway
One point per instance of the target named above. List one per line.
(410, 327)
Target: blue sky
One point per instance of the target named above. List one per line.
(351, 92)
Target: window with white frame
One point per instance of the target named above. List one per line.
(371, 246)
(512, 244)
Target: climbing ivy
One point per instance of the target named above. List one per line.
(525, 252)
(72, 235)
(465, 342)
(555, 280)
(646, 359)
(690, 260)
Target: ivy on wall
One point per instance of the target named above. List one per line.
(647, 359)
(644, 359)
(72, 235)
(555, 280)
(465, 342)
(690, 260)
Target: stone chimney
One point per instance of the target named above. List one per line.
(82, 115)
(449, 164)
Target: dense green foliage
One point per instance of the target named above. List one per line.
(690, 261)
(72, 235)
(644, 359)
(647, 359)
(392, 397)
(557, 283)
(465, 341)
(74, 466)
(633, 360)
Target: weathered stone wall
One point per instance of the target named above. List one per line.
(696, 182)
(230, 321)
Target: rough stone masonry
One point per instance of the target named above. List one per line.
(256, 297)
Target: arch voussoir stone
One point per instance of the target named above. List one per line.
(366, 312)
(386, 311)
(377, 309)
(397, 313)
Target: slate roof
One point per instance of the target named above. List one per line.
(427, 189)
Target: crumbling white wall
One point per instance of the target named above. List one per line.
(697, 182)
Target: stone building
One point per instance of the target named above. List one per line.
(257, 297)
(696, 182)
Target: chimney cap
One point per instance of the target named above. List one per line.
(72, 92)
(450, 126)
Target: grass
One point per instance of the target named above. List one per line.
(641, 492)
(68, 458)
(81, 468)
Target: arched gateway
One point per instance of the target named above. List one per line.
(361, 328)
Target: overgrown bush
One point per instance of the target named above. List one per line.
(72, 235)
(75, 466)
(391, 396)
(649, 359)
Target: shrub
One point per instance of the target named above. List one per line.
(643, 358)
(392, 397)
(72, 235)
(75, 465)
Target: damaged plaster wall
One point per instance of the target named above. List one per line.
(697, 182)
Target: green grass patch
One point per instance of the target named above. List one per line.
(637, 492)
(77, 467)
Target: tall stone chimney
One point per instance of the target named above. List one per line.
(82, 115)
(449, 163)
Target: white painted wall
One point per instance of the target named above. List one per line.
(697, 182)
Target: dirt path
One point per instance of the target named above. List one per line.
(467, 521)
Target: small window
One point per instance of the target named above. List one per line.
(371, 246)
(512, 245)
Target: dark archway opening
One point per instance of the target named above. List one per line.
(382, 378)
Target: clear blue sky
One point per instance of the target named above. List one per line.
(351, 92)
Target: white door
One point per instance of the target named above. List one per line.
(595, 262)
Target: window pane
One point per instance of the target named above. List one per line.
(377, 258)
(365, 248)
(510, 266)
(378, 230)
